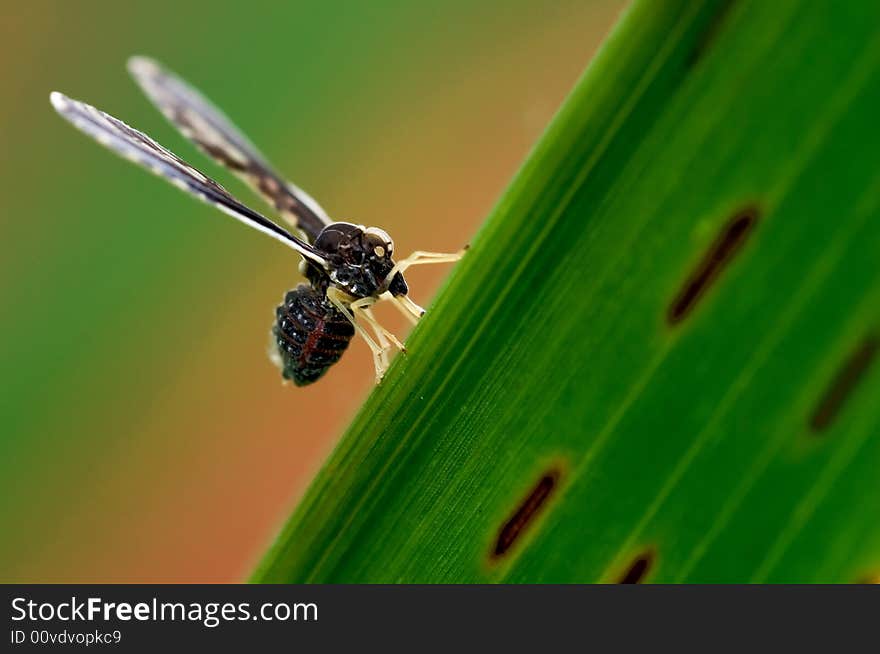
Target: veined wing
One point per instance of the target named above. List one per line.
(209, 128)
(141, 149)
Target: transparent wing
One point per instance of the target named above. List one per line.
(204, 124)
(141, 149)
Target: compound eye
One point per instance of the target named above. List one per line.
(379, 236)
(379, 251)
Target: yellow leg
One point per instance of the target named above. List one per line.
(402, 302)
(420, 257)
(407, 307)
(384, 343)
(386, 338)
(380, 357)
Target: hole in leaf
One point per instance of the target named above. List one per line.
(710, 33)
(719, 255)
(638, 569)
(846, 379)
(525, 512)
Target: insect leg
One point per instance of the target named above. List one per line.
(406, 306)
(380, 355)
(420, 257)
(384, 343)
(403, 303)
(362, 308)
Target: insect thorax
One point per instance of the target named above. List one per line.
(359, 261)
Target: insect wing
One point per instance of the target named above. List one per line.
(141, 149)
(204, 124)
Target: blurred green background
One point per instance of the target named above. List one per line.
(145, 435)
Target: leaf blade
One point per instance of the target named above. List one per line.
(549, 347)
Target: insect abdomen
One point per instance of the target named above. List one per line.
(311, 335)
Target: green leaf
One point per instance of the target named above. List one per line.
(656, 362)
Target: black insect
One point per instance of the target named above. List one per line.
(348, 267)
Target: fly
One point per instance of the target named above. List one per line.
(348, 267)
